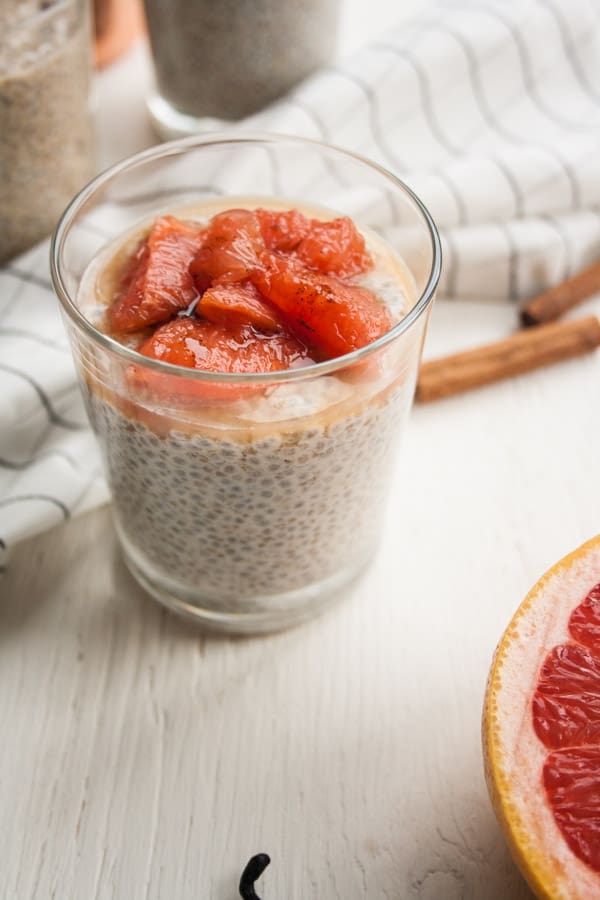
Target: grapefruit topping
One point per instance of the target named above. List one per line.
(264, 286)
(282, 229)
(238, 304)
(159, 282)
(566, 718)
(210, 346)
(230, 249)
(199, 344)
(336, 248)
(333, 316)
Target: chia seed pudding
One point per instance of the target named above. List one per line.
(229, 59)
(45, 123)
(255, 504)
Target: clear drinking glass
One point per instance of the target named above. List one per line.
(46, 128)
(225, 60)
(247, 501)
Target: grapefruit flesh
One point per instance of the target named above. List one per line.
(230, 249)
(262, 290)
(541, 730)
(238, 304)
(199, 344)
(334, 246)
(159, 282)
(283, 229)
(332, 315)
(572, 783)
(213, 347)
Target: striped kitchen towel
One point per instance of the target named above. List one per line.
(489, 110)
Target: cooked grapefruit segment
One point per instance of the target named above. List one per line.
(330, 314)
(230, 247)
(572, 783)
(270, 270)
(158, 283)
(283, 229)
(566, 701)
(199, 344)
(236, 304)
(335, 247)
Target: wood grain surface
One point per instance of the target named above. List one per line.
(141, 760)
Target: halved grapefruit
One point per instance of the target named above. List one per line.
(541, 730)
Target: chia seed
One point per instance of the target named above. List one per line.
(301, 534)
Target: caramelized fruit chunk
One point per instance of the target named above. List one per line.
(233, 305)
(283, 229)
(159, 283)
(230, 247)
(266, 286)
(199, 344)
(333, 316)
(335, 248)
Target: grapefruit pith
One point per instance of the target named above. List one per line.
(541, 730)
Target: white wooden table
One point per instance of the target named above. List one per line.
(139, 759)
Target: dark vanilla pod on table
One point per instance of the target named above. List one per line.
(252, 872)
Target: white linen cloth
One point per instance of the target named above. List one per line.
(489, 110)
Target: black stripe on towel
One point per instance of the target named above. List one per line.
(45, 498)
(21, 465)
(54, 417)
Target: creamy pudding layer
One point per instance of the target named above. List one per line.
(237, 519)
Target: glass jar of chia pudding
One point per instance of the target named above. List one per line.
(46, 145)
(226, 60)
(247, 501)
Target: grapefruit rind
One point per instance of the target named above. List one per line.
(513, 754)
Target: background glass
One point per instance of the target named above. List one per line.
(46, 133)
(228, 59)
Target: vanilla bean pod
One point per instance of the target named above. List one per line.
(254, 869)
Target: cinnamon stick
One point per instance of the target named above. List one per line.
(522, 352)
(553, 303)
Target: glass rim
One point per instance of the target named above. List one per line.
(178, 147)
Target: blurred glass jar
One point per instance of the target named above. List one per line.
(46, 138)
(225, 60)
